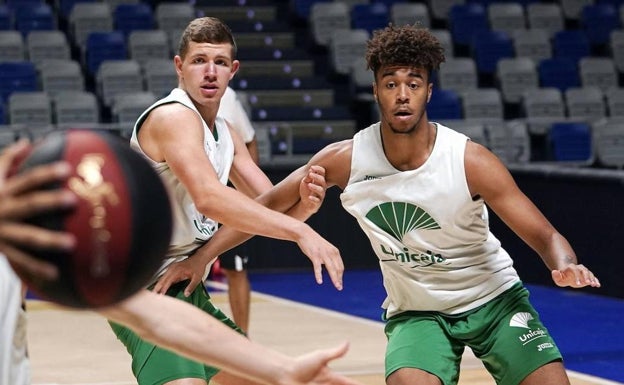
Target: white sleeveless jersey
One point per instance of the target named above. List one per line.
(14, 362)
(432, 239)
(191, 228)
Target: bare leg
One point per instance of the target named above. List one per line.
(187, 381)
(225, 378)
(410, 376)
(239, 293)
(549, 374)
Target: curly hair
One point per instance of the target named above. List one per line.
(206, 30)
(408, 45)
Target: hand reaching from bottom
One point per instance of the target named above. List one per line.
(312, 369)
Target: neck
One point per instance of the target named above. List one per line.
(409, 151)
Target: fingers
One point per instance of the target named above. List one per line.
(585, 277)
(27, 267)
(195, 280)
(575, 276)
(335, 267)
(318, 272)
(335, 273)
(9, 156)
(163, 284)
(34, 237)
(37, 177)
(336, 352)
(31, 204)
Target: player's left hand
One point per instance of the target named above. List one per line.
(312, 189)
(191, 268)
(575, 276)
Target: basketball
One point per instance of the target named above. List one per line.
(122, 221)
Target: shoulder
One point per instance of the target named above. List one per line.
(171, 115)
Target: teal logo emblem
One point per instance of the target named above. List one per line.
(398, 219)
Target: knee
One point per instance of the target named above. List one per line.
(409, 376)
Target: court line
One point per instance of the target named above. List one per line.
(223, 286)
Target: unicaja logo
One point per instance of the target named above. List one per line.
(521, 320)
(399, 218)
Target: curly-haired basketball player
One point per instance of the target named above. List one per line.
(419, 191)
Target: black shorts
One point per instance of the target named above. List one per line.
(235, 259)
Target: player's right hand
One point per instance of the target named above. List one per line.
(20, 199)
(321, 252)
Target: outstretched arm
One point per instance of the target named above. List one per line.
(490, 179)
(185, 329)
(334, 160)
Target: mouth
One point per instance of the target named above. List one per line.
(402, 114)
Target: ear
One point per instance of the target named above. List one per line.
(375, 90)
(429, 91)
(177, 62)
(235, 67)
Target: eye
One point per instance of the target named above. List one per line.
(390, 85)
(413, 86)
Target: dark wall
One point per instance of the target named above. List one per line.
(587, 208)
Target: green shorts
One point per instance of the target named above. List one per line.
(505, 333)
(153, 365)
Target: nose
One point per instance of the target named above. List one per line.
(402, 94)
(211, 70)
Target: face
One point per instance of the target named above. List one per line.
(206, 71)
(402, 94)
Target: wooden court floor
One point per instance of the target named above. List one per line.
(69, 347)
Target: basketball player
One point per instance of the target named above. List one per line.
(196, 153)
(234, 262)
(419, 191)
(161, 319)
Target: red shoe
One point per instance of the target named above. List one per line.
(216, 272)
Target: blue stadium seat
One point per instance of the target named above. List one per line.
(465, 20)
(571, 43)
(488, 47)
(16, 3)
(17, 76)
(34, 17)
(571, 141)
(598, 20)
(6, 18)
(130, 17)
(301, 8)
(102, 46)
(560, 72)
(65, 6)
(369, 16)
(444, 105)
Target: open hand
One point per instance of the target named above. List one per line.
(575, 276)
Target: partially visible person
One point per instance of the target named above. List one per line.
(196, 152)
(163, 320)
(233, 263)
(420, 191)
(14, 364)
